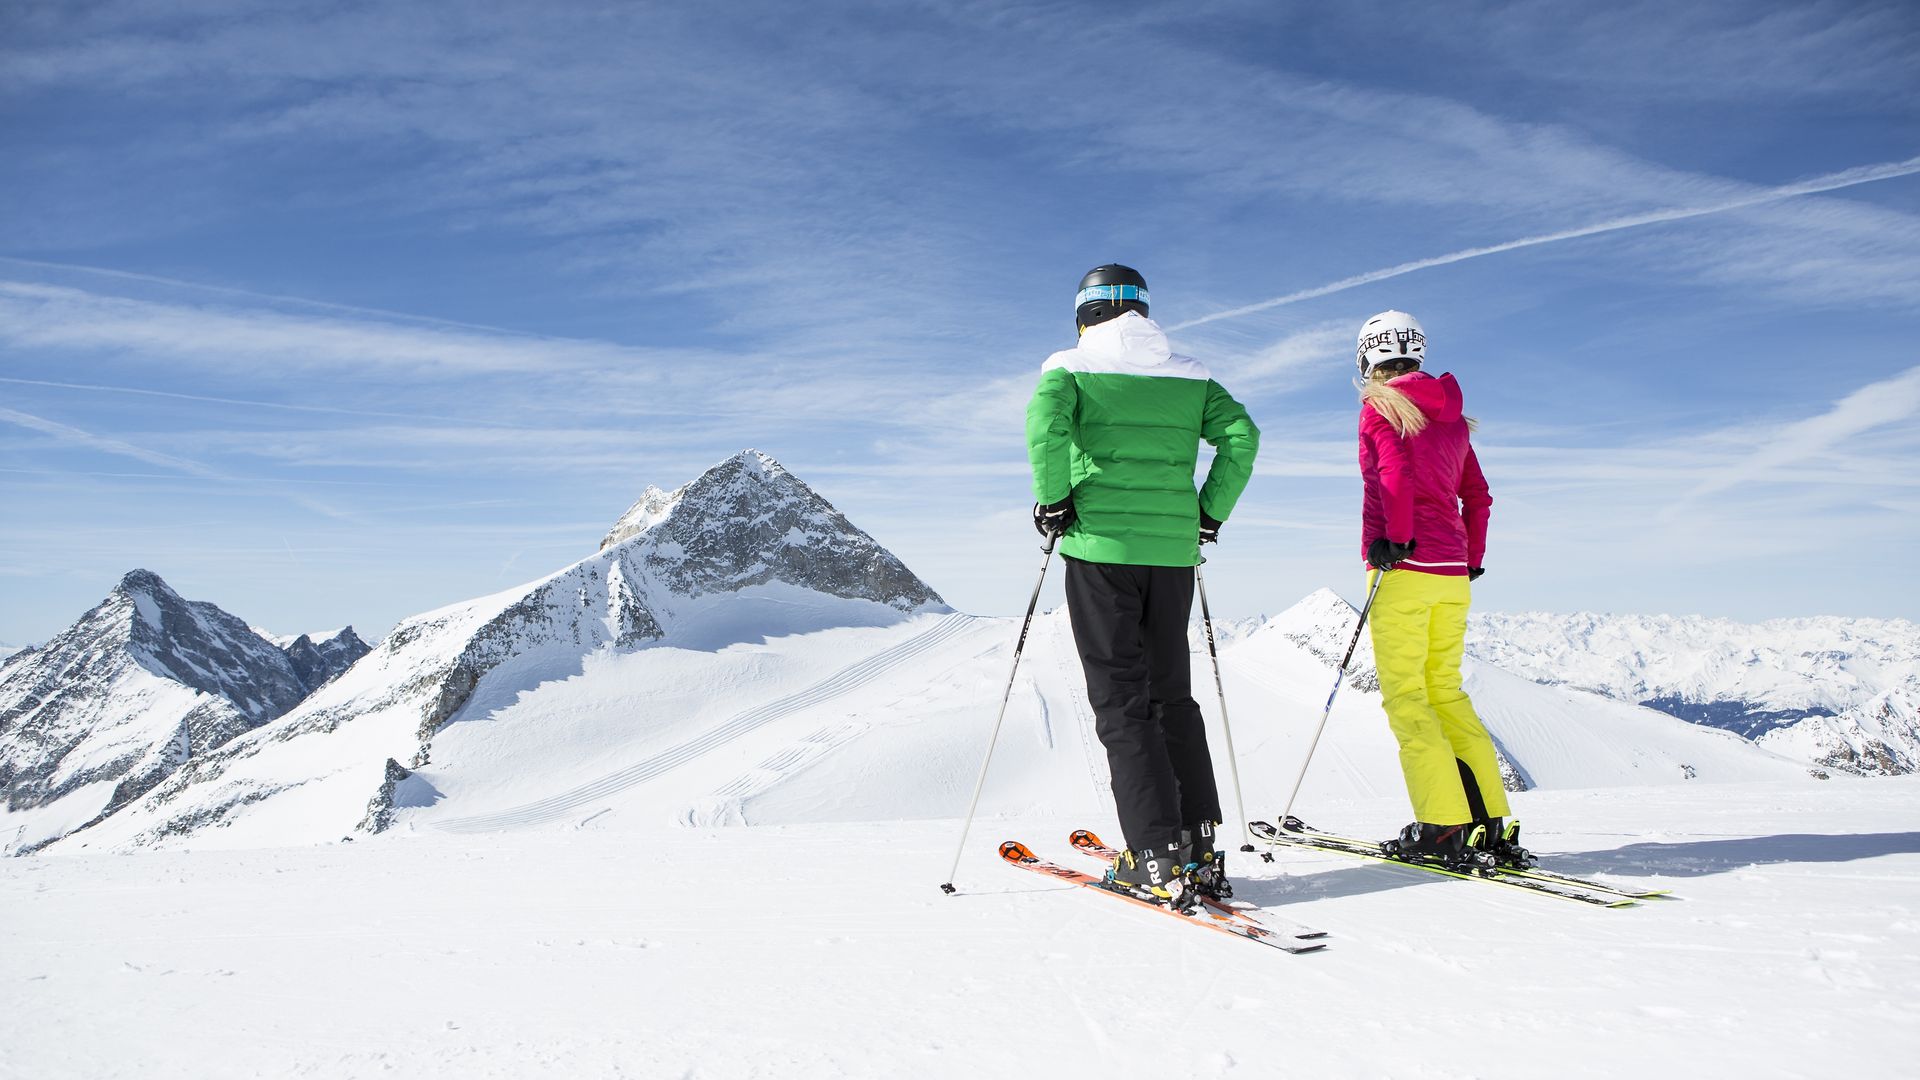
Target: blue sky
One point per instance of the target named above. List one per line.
(336, 313)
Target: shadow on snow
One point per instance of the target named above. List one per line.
(1692, 859)
(1701, 857)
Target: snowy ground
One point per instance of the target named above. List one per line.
(828, 950)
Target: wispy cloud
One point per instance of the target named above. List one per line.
(1875, 405)
(329, 410)
(1277, 365)
(74, 436)
(744, 167)
(253, 298)
(57, 317)
(1847, 178)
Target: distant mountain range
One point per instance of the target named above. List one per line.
(1837, 692)
(741, 614)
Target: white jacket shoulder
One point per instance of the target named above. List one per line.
(1065, 359)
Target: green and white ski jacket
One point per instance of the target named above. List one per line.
(1116, 422)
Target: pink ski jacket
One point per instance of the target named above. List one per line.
(1426, 487)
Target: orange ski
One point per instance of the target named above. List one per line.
(1017, 854)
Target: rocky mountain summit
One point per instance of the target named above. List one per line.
(138, 686)
(748, 521)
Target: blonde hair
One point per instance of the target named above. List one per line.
(1396, 407)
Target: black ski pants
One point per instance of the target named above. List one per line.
(1130, 625)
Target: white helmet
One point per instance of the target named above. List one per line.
(1390, 335)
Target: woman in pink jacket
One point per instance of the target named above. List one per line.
(1424, 528)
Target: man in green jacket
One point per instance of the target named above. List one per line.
(1113, 433)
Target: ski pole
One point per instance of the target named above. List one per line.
(1233, 760)
(1340, 677)
(994, 738)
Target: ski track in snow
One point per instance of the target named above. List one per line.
(558, 807)
(729, 802)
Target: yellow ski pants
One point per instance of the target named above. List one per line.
(1419, 626)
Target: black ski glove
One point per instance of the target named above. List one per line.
(1054, 519)
(1383, 553)
(1209, 529)
(1474, 572)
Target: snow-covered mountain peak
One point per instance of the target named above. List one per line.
(656, 505)
(1317, 607)
(748, 521)
(137, 686)
(194, 643)
(1321, 624)
(146, 591)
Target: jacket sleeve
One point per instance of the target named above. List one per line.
(1236, 442)
(1050, 435)
(1475, 505)
(1395, 468)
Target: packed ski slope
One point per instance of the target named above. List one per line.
(828, 950)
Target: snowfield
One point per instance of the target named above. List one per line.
(568, 890)
(829, 950)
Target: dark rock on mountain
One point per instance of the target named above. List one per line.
(320, 662)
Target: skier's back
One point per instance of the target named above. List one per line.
(1113, 434)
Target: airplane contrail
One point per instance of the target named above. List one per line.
(1865, 174)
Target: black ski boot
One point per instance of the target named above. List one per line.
(1158, 875)
(1502, 841)
(1209, 866)
(1452, 845)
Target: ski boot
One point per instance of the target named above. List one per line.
(1208, 868)
(1502, 841)
(1457, 846)
(1156, 875)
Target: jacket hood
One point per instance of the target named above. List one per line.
(1132, 335)
(1438, 397)
(1129, 345)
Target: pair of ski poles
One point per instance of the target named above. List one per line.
(1233, 759)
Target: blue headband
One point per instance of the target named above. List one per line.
(1110, 292)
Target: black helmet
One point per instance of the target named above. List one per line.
(1109, 291)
